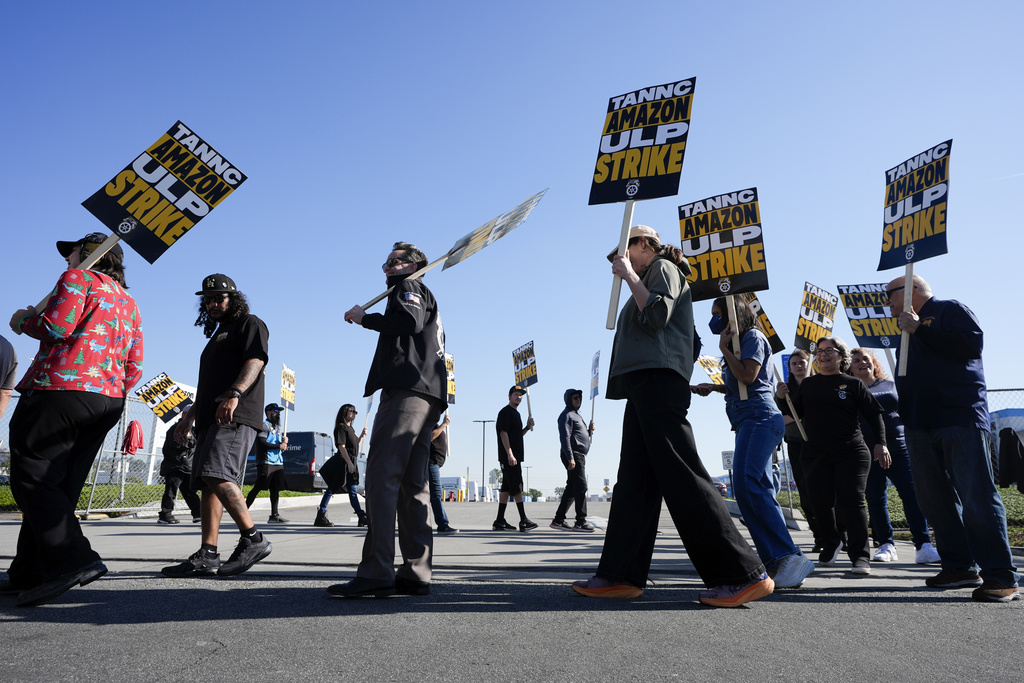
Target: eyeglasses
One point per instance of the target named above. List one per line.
(827, 351)
(394, 261)
(890, 292)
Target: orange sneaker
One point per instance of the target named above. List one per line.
(596, 587)
(733, 596)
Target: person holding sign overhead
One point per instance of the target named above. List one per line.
(652, 360)
(408, 368)
(945, 414)
(90, 356)
(759, 429)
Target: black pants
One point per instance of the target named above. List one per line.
(172, 483)
(659, 460)
(836, 479)
(797, 456)
(575, 491)
(55, 436)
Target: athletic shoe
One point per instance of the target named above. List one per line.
(447, 530)
(887, 553)
(561, 526)
(363, 521)
(829, 554)
(861, 567)
(597, 587)
(321, 520)
(816, 549)
(791, 571)
(362, 588)
(527, 525)
(993, 591)
(247, 553)
(48, 590)
(584, 526)
(927, 554)
(199, 563)
(196, 519)
(734, 596)
(948, 579)
(405, 586)
(166, 518)
(502, 525)
(277, 519)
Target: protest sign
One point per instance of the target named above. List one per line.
(449, 366)
(817, 317)
(712, 366)
(491, 231)
(525, 362)
(721, 238)
(164, 397)
(774, 340)
(642, 144)
(914, 224)
(871, 320)
(165, 191)
(287, 387)
(595, 369)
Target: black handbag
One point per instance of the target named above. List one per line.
(334, 472)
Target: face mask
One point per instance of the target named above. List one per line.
(716, 324)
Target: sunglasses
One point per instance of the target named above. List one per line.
(394, 261)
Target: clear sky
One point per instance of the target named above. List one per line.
(359, 124)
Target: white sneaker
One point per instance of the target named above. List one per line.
(927, 554)
(792, 571)
(886, 553)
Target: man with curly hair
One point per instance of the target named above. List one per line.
(228, 414)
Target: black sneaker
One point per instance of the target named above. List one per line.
(948, 579)
(560, 525)
(829, 554)
(583, 526)
(277, 519)
(526, 525)
(196, 519)
(247, 553)
(502, 525)
(200, 563)
(447, 530)
(166, 518)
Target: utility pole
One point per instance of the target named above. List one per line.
(483, 456)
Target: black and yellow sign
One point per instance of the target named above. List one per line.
(287, 387)
(492, 230)
(525, 362)
(721, 238)
(164, 192)
(916, 191)
(774, 340)
(817, 317)
(449, 366)
(870, 318)
(642, 144)
(164, 397)
(712, 366)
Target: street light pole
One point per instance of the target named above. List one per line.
(483, 454)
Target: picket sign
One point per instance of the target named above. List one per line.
(627, 222)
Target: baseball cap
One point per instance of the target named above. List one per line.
(517, 389)
(95, 238)
(217, 283)
(637, 231)
(273, 406)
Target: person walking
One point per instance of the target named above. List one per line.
(574, 444)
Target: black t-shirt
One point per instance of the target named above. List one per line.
(227, 351)
(345, 437)
(439, 449)
(509, 421)
(830, 406)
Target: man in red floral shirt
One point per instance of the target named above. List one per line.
(90, 356)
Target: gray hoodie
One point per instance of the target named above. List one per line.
(573, 436)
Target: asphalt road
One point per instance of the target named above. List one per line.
(500, 608)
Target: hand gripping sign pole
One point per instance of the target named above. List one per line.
(470, 244)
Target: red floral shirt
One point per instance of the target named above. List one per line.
(90, 337)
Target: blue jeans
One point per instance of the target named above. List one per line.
(878, 499)
(436, 494)
(350, 480)
(759, 429)
(953, 474)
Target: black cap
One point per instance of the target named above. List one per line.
(273, 406)
(516, 389)
(217, 284)
(65, 248)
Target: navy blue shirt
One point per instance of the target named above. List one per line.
(945, 381)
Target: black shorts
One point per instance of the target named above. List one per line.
(512, 479)
(270, 477)
(220, 453)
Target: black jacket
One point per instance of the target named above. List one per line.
(573, 435)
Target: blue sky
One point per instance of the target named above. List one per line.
(359, 124)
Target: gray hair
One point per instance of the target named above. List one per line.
(841, 348)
